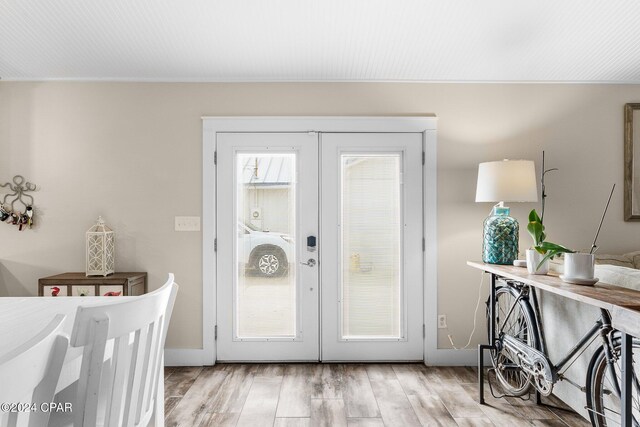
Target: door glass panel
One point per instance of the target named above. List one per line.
(265, 279)
(371, 242)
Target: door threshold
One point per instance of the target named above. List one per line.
(373, 361)
(230, 362)
(266, 361)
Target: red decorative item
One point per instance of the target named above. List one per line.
(55, 291)
(113, 294)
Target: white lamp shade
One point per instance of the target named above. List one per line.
(507, 181)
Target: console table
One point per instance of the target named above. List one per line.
(78, 284)
(623, 304)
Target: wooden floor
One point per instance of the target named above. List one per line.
(288, 395)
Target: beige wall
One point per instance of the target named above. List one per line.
(132, 153)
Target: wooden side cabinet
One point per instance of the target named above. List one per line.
(79, 285)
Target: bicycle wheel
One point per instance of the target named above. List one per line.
(518, 323)
(603, 387)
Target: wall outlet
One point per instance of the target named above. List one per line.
(442, 321)
(187, 223)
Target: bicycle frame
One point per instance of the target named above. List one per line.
(601, 327)
(528, 295)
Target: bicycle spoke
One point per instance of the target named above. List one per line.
(604, 390)
(513, 319)
(634, 398)
(523, 331)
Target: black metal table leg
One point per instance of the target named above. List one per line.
(481, 373)
(627, 376)
(492, 310)
(492, 338)
(481, 349)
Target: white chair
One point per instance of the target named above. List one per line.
(122, 360)
(29, 374)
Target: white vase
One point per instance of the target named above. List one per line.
(579, 266)
(533, 260)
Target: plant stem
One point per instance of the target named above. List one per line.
(544, 193)
(593, 246)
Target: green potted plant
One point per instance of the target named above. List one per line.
(541, 252)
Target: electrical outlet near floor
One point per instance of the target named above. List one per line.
(442, 321)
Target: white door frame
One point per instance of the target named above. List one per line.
(211, 125)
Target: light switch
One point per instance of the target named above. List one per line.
(187, 223)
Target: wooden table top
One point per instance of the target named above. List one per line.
(78, 276)
(622, 303)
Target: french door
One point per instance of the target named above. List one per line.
(371, 225)
(319, 239)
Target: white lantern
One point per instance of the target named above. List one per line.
(100, 250)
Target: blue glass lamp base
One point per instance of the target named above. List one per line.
(500, 238)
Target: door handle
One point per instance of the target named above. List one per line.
(311, 262)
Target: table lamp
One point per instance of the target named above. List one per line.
(504, 181)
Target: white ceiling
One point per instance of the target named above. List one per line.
(321, 40)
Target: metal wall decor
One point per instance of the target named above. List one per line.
(17, 207)
(632, 162)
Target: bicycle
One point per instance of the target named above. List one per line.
(520, 359)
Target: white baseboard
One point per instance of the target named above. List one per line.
(439, 357)
(184, 357)
(451, 357)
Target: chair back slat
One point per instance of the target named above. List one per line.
(91, 371)
(158, 356)
(136, 329)
(136, 377)
(117, 372)
(147, 366)
(30, 373)
(150, 392)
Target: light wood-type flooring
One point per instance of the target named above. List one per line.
(358, 395)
